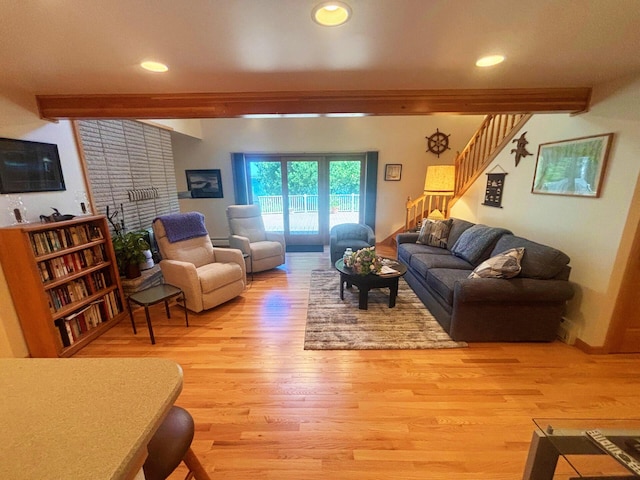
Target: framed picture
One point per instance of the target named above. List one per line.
(572, 167)
(204, 183)
(392, 172)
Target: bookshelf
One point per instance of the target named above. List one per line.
(64, 282)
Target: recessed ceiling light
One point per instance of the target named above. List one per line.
(331, 14)
(155, 67)
(489, 60)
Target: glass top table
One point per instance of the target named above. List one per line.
(561, 449)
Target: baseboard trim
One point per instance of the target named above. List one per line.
(305, 248)
(586, 348)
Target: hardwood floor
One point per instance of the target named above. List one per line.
(265, 409)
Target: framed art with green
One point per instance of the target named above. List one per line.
(572, 167)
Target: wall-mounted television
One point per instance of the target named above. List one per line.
(29, 167)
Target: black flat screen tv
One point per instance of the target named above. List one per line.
(29, 167)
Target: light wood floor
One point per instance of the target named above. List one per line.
(267, 409)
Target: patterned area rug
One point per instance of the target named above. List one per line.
(334, 324)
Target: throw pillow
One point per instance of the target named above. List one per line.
(435, 233)
(503, 265)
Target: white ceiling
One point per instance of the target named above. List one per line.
(95, 46)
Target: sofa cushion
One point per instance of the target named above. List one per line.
(435, 233)
(421, 262)
(476, 242)
(458, 226)
(503, 265)
(443, 280)
(216, 275)
(538, 261)
(407, 250)
(266, 249)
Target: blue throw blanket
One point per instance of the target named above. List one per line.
(183, 226)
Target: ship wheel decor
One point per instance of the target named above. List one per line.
(438, 143)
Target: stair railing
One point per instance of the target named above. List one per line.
(495, 132)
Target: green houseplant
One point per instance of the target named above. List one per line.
(129, 248)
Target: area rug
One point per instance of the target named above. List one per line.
(334, 324)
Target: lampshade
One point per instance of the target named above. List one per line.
(440, 179)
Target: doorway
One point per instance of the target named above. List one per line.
(303, 196)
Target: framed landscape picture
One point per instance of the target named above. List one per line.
(572, 167)
(204, 183)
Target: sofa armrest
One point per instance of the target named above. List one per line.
(515, 290)
(184, 276)
(240, 243)
(276, 237)
(230, 255)
(409, 237)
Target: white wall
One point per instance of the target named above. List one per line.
(589, 230)
(397, 139)
(19, 120)
(187, 126)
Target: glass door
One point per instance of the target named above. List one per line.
(303, 196)
(345, 180)
(302, 186)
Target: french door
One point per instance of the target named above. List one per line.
(303, 196)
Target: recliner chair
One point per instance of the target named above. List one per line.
(207, 275)
(264, 250)
(353, 235)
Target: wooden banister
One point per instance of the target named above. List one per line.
(495, 132)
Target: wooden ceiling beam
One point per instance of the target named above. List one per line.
(370, 102)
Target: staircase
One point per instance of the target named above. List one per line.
(494, 134)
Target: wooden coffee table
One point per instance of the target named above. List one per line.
(367, 282)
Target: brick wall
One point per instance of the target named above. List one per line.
(126, 160)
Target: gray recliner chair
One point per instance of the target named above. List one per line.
(264, 250)
(349, 235)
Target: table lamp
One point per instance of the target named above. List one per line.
(439, 182)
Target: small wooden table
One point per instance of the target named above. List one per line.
(367, 282)
(151, 296)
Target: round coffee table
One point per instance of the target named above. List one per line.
(367, 282)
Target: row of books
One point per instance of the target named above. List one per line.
(73, 326)
(50, 241)
(114, 306)
(76, 290)
(71, 263)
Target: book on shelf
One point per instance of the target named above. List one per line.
(73, 326)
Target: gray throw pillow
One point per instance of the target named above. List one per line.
(503, 265)
(435, 233)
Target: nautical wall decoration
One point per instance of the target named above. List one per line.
(521, 148)
(438, 143)
(494, 190)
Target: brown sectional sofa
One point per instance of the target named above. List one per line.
(526, 308)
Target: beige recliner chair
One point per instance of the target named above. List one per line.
(265, 250)
(207, 275)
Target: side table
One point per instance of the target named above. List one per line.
(151, 296)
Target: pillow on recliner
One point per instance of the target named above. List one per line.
(435, 233)
(503, 265)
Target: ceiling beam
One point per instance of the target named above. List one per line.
(370, 102)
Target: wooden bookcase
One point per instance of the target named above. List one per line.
(64, 282)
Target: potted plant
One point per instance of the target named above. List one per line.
(335, 205)
(130, 248)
